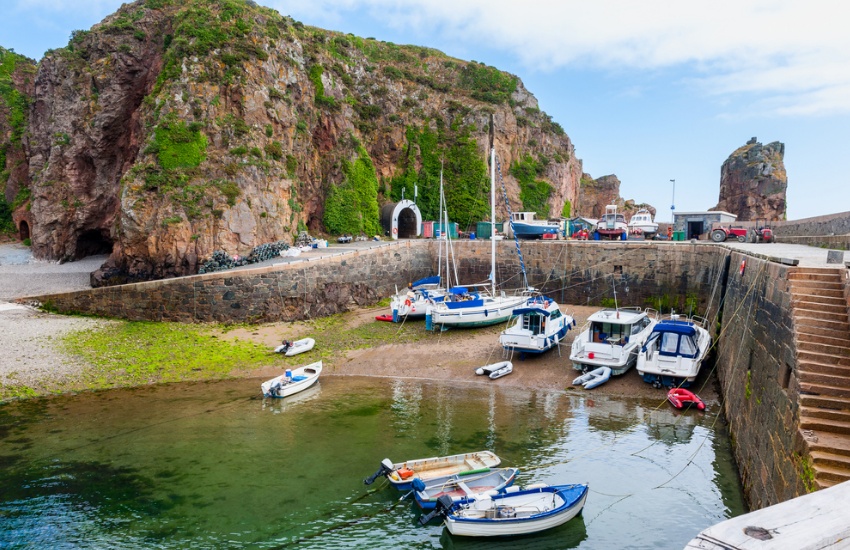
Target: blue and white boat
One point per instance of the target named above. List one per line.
(526, 226)
(520, 512)
(463, 485)
(674, 352)
(413, 302)
(539, 326)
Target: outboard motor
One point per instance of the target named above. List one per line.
(385, 469)
(444, 506)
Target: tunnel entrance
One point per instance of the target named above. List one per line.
(401, 220)
(24, 231)
(93, 242)
(407, 224)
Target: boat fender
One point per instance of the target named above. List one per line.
(418, 484)
(743, 266)
(407, 302)
(511, 489)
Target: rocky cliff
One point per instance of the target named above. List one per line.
(17, 78)
(595, 194)
(753, 182)
(175, 128)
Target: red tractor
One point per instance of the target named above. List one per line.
(720, 234)
(761, 233)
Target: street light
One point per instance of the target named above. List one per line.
(673, 204)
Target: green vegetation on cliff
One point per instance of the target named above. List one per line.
(14, 111)
(534, 193)
(352, 206)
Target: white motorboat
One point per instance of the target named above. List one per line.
(294, 348)
(402, 474)
(496, 370)
(611, 225)
(641, 224)
(612, 338)
(674, 351)
(596, 377)
(292, 381)
(512, 512)
(539, 326)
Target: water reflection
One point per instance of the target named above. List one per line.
(211, 464)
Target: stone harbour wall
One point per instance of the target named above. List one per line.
(756, 352)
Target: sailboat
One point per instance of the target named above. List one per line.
(463, 307)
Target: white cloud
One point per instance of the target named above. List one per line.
(795, 54)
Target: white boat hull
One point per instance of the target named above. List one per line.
(496, 370)
(492, 311)
(590, 350)
(298, 346)
(281, 387)
(533, 513)
(672, 367)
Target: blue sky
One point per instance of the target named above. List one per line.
(650, 91)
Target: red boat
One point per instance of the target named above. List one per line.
(387, 318)
(682, 398)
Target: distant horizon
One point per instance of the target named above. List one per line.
(649, 92)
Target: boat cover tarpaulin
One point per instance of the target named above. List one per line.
(679, 327)
(433, 280)
(537, 310)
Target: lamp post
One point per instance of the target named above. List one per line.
(673, 204)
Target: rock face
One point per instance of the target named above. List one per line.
(753, 182)
(596, 194)
(17, 79)
(173, 129)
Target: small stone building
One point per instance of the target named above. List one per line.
(695, 224)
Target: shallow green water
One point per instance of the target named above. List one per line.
(212, 465)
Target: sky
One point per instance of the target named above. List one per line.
(650, 91)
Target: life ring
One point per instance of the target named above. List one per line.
(395, 230)
(407, 302)
(743, 266)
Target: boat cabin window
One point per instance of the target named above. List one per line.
(555, 314)
(607, 333)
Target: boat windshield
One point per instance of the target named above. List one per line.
(678, 344)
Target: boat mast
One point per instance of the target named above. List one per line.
(492, 207)
(440, 242)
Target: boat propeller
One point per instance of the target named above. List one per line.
(385, 469)
(444, 505)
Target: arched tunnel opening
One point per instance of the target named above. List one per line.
(24, 231)
(93, 242)
(407, 224)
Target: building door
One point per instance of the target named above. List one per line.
(695, 229)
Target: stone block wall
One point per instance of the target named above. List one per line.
(756, 354)
(286, 292)
(757, 372)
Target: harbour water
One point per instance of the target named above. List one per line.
(213, 465)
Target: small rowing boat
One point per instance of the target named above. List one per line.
(462, 485)
(496, 370)
(401, 474)
(294, 348)
(682, 398)
(594, 378)
(292, 381)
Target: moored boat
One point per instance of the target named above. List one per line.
(462, 485)
(496, 370)
(612, 338)
(611, 225)
(594, 378)
(641, 223)
(539, 326)
(294, 348)
(526, 226)
(673, 353)
(509, 513)
(413, 302)
(401, 474)
(292, 381)
(682, 398)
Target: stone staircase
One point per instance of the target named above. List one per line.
(823, 361)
